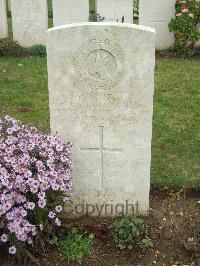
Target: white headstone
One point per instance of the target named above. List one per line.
(29, 21)
(115, 10)
(70, 11)
(101, 84)
(157, 14)
(3, 20)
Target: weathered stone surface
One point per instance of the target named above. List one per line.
(157, 14)
(70, 11)
(3, 20)
(101, 83)
(115, 10)
(29, 21)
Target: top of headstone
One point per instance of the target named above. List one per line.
(100, 24)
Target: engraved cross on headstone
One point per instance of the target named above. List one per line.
(102, 150)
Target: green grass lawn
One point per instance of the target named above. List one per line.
(175, 147)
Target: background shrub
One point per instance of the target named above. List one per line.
(37, 50)
(186, 24)
(183, 51)
(9, 47)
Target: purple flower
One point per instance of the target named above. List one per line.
(44, 186)
(39, 165)
(51, 215)
(12, 250)
(23, 212)
(7, 207)
(42, 203)
(59, 147)
(29, 205)
(9, 131)
(9, 216)
(32, 166)
(34, 189)
(9, 141)
(66, 200)
(41, 195)
(2, 146)
(4, 238)
(57, 222)
(58, 208)
(55, 186)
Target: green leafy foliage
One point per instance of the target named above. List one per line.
(183, 51)
(129, 233)
(75, 246)
(185, 25)
(37, 50)
(146, 242)
(8, 47)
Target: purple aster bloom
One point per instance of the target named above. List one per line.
(30, 163)
(23, 212)
(30, 205)
(42, 203)
(12, 250)
(58, 208)
(55, 186)
(51, 215)
(4, 238)
(59, 147)
(9, 216)
(57, 222)
(41, 195)
(66, 200)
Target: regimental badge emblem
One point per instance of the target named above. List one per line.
(100, 64)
